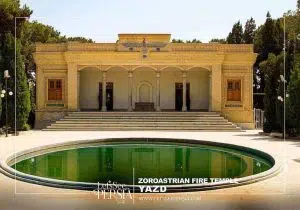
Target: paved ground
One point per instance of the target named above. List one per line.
(279, 192)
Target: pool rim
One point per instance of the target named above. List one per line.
(12, 173)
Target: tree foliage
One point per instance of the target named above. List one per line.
(217, 40)
(236, 34)
(10, 13)
(187, 41)
(177, 41)
(249, 31)
(293, 102)
(22, 89)
(269, 67)
(193, 41)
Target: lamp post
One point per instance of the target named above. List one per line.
(4, 93)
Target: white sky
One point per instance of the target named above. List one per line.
(102, 20)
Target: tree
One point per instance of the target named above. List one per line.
(9, 9)
(177, 41)
(22, 94)
(298, 4)
(221, 41)
(293, 102)
(236, 34)
(80, 39)
(270, 38)
(269, 67)
(193, 41)
(249, 31)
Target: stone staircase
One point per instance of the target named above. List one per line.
(125, 121)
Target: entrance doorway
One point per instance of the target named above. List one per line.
(144, 93)
(109, 96)
(179, 96)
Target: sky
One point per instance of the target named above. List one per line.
(103, 20)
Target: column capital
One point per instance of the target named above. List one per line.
(130, 74)
(215, 67)
(157, 74)
(183, 74)
(72, 66)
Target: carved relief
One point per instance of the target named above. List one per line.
(235, 67)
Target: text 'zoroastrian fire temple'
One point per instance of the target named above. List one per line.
(144, 72)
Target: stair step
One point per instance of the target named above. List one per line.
(141, 128)
(121, 121)
(140, 120)
(136, 113)
(138, 123)
(141, 117)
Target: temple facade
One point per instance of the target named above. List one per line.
(144, 72)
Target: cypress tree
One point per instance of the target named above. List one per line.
(22, 94)
(249, 31)
(271, 83)
(236, 34)
(294, 101)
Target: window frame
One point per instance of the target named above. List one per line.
(234, 81)
(58, 85)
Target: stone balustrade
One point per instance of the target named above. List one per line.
(198, 47)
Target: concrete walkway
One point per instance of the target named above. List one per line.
(279, 192)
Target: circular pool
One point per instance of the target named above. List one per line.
(178, 164)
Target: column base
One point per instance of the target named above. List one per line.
(157, 109)
(103, 109)
(184, 108)
(129, 109)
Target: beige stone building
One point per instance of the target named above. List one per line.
(144, 72)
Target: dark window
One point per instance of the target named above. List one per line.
(157, 49)
(130, 49)
(58, 84)
(229, 85)
(51, 84)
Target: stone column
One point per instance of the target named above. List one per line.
(72, 87)
(78, 90)
(130, 74)
(103, 109)
(184, 108)
(158, 91)
(209, 91)
(41, 88)
(216, 88)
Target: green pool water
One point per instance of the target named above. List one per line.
(120, 162)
